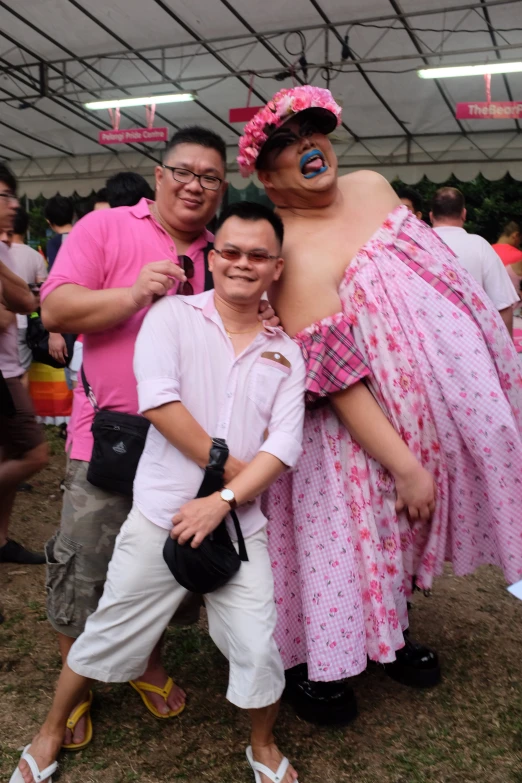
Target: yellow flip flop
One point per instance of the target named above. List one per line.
(144, 687)
(79, 712)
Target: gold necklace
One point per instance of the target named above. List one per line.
(247, 331)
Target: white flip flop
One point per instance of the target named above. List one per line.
(259, 769)
(44, 775)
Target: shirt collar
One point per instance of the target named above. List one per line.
(205, 303)
(450, 228)
(141, 209)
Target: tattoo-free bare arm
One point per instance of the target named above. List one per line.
(77, 310)
(367, 424)
(181, 429)
(507, 316)
(15, 292)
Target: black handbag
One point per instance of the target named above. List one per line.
(119, 440)
(7, 407)
(215, 561)
(37, 338)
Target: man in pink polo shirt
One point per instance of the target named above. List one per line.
(114, 264)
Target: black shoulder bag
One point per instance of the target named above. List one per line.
(215, 561)
(119, 440)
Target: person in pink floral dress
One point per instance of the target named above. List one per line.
(411, 375)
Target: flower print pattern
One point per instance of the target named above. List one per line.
(445, 372)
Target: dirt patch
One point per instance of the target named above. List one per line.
(468, 729)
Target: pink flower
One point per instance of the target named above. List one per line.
(384, 649)
(478, 303)
(390, 544)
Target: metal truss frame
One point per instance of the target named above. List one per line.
(70, 80)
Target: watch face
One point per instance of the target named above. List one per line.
(227, 495)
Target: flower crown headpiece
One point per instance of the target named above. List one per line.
(277, 111)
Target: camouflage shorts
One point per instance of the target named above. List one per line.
(78, 555)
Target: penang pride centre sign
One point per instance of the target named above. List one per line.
(492, 110)
(133, 135)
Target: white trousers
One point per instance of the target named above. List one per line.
(141, 595)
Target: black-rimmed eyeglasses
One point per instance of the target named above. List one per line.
(185, 176)
(9, 196)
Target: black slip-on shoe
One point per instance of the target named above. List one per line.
(13, 552)
(322, 703)
(416, 665)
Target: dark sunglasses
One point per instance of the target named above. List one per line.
(187, 264)
(284, 136)
(255, 256)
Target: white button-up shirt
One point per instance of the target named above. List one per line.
(183, 354)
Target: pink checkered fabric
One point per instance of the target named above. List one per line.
(441, 286)
(333, 361)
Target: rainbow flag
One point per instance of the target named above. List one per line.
(51, 397)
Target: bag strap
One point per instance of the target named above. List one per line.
(240, 540)
(88, 391)
(209, 281)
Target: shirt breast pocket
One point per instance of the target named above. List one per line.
(266, 377)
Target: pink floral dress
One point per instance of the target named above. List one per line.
(439, 360)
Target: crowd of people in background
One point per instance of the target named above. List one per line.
(352, 271)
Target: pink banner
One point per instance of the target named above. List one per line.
(130, 135)
(495, 110)
(243, 114)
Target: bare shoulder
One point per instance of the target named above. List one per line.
(365, 187)
(365, 178)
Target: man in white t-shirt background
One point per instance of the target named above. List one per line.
(31, 267)
(23, 449)
(448, 215)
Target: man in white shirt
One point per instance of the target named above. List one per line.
(31, 267)
(448, 215)
(23, 450)
(207, 369)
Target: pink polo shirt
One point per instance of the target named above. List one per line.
(107, 249)
(238, 398)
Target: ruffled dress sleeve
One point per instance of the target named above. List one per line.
(333, 361)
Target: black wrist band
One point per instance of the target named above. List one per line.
(218, 455)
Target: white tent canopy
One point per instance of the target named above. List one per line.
(54, 56)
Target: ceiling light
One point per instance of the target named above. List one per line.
(470, 70)
(121, 103)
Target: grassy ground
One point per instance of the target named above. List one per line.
(468, 729)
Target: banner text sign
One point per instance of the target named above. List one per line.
(243, 114)
(133, 135)
(495, 110)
